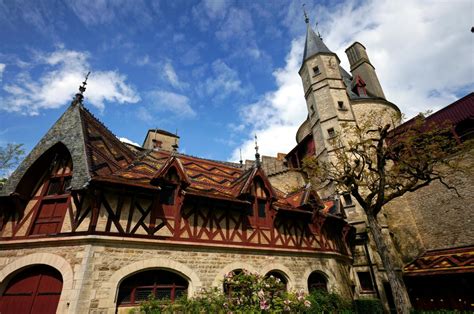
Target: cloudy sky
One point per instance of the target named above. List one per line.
(217, 72)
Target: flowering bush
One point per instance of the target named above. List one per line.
(246, 292)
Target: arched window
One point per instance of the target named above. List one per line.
(228, 287)
(278, 275)
(51, 191)
(157, 283)
(317, 281)
(34, 290)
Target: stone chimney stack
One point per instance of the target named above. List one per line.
(360, 65)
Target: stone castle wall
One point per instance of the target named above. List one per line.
(434, 217)
(92, 271)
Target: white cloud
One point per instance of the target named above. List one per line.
(62, 72)
(126, 140)
(224, 81)
(172, 102)
(215, 8)
(2, 69)
(276, 117)
(422, 52)
(171, 76)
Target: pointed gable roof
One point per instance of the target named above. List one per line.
(247, 180)
(94, 149)
(314, 44)
(172, 162)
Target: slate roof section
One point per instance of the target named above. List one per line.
(444, 261)
(314, 44)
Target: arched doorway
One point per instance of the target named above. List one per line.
(159, 283)
(34, 290)
(317, 281)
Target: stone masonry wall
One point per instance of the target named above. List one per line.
(97, 269)
(438, 215)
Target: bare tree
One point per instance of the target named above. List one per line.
(10, 156)
(377, 165)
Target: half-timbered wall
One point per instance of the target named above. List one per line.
(191, 219)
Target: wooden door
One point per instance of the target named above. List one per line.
(34, 290)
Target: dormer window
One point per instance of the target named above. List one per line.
(168, 188)
(167, 194)
(52, 195)
(260, 203)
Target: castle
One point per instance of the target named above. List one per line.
(91, 224)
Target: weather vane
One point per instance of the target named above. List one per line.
(306, 19)
(82, 88)
(257, 155)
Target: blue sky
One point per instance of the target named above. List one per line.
(216, 71)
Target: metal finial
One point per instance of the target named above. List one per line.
(82, 88)
(257, 155)
(306, 19)
(241, 161)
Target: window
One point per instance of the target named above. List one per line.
(157, 143)
(261, 208)
(53, 195)
(316, 70)
(340, 105)
(347, 199)
(167, 194)
(229, 287)
(365, 281)
(260, 203)
(158, 283)
(279, 277)
(317, 281)
(331, 132)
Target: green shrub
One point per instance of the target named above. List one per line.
(368, 306)
(323, 302)
(250, 293)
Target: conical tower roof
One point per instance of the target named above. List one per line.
(314, 44)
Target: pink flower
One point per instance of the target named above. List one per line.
(307, 303)
(264, 305)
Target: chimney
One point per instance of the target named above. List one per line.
(360, 65)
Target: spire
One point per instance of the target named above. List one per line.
(257, 155)
(82, 88)
(314, 44)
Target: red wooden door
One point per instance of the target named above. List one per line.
(35, 290)
(50, 216)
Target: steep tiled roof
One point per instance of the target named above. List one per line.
(105, 152)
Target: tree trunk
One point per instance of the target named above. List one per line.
(399, 291)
